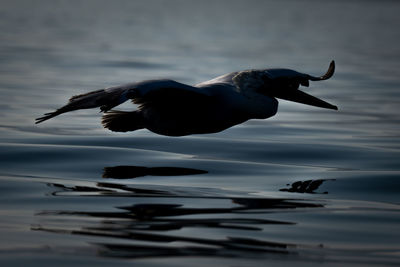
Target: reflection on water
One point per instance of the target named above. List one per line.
(150, 221)
(308, 186)
(162, 222)
(126, 172)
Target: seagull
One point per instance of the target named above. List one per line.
(170, 108)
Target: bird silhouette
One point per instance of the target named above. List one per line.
(170, 108)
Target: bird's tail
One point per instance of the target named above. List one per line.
(122, 121)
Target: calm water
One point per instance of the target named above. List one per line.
(306, 187)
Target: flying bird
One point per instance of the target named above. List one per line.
(167, 107)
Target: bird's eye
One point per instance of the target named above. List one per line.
(293, 85)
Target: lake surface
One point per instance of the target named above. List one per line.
(306, 187)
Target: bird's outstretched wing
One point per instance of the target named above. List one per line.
(103, 98)
(168, 95)
(142, 93)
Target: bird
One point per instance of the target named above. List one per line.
(167, 107)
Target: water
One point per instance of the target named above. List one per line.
(307, 187)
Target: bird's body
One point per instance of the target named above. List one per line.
(171, 108)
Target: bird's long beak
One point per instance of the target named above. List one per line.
(304, 98)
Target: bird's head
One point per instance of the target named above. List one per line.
(284, 84)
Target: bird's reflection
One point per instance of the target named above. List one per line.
(170, 221)
(308, 186)
(126, 172)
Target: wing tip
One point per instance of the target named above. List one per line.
(46, 117)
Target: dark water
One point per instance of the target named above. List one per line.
(306, 187)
